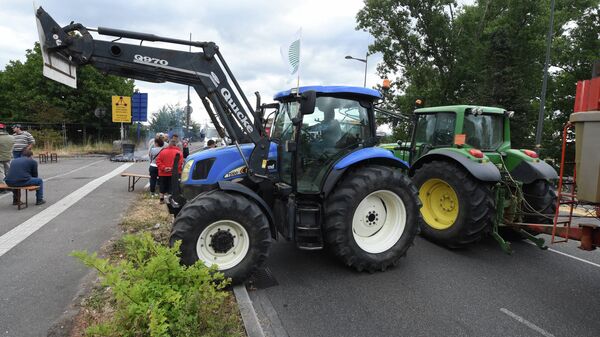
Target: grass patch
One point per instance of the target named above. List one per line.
(143, 291)
(90, 148)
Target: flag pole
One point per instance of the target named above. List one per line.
(299, 61)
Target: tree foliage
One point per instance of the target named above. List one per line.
(172, 117)
(27, 96)
(488, 53)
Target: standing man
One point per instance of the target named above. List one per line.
(165, 161)
(211, 144)
(176, 138)
(6, 146)
(23, 140)
(24, 172)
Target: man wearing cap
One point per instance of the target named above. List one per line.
(23, 140)
(6, 146)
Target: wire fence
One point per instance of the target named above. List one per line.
(51, 136)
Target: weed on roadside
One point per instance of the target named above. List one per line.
(144, 291)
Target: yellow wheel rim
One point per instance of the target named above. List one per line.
(440, 204)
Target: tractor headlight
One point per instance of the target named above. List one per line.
(185, 173)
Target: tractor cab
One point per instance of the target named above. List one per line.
(341, 122)
(460, 126)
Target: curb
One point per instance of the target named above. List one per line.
(253, 328)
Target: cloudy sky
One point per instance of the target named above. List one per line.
(249, 34)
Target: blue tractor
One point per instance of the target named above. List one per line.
(316, 179)
(333, 188)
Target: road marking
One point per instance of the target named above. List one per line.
(526, 322)
(16, 235)
(61, 175)
(569, 255)
(575, 257)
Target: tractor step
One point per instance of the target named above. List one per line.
(308, 232)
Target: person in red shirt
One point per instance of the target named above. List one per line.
(165, 161)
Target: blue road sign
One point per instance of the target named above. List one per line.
(139, 107)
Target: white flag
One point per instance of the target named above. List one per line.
(290, 53)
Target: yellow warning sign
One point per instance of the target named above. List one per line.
(121, 109)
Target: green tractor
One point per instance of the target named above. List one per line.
(471, 182)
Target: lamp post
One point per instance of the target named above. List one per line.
(348, 57)
(542, 113)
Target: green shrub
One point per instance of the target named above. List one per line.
(47, 139)
(155, 296)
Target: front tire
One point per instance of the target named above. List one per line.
(457, 208)
(225, 229)
(371, 218)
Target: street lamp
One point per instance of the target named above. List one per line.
(348, 57)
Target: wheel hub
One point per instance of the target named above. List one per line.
(221, 241)
(372, 218)
(379, 221)
(440, 203)
(447, 203)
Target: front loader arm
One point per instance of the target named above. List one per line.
(206, 71)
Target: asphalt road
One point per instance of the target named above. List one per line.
(38, 279)
(434, 291)
(478, 291)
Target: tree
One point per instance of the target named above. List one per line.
(168, 117)
(27, 96)
(489, 53)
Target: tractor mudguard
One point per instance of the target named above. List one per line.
(225, 185)
(371, 155)
(530, 171)
(374, 155)
(482, 171)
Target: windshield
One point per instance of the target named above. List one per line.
(436, 129)
(282, 126)
(485, 132)
(282, 131)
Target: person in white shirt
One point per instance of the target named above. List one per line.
(153, 169)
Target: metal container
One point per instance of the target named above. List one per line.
(587, 154)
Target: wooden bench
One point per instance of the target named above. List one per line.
(133, 178)
(18, 190)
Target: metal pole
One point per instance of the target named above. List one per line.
(540, 124)
(366, 56)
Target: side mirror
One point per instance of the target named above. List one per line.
(308, 100)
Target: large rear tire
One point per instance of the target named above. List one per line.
(225, 229)
(457, 208)
(371, 217)
(540, 202)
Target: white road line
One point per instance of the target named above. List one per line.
(526, 322)
(61, 175)
(569, 255)
(15, 236)
(575, 257)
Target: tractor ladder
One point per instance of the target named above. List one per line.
(588, 234)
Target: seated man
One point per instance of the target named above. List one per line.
(330, 128)
(23, 171)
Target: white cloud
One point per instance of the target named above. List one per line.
(249, 34)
